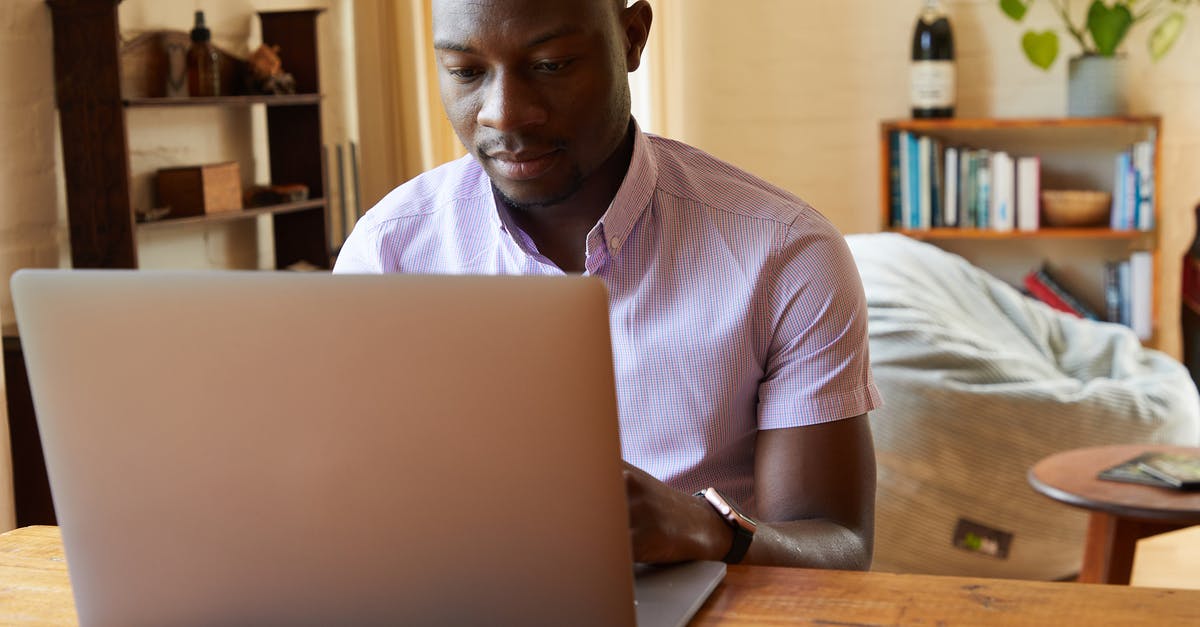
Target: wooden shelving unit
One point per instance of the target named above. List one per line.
(1077, 153)
(96, 152)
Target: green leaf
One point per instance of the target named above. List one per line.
(1041, 48)
(1165, 34)
(1108, 26)
(1014, 9)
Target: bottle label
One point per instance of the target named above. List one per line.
(932, 84)
(1191, 284)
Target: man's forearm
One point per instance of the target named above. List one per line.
(809, 544)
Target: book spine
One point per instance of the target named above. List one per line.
(913, 198)
(1112, 292)
(895, 188)
(950, 217)
(1146, 217)
(936, 184)
(983, 197)
(1029, 186)
(924, 185)
(1045, 294)
(964, 187)
(1118, 193)
(1002, 192)
(1044, 277)
(1123, 281)
(1141, 287)
(971, 190)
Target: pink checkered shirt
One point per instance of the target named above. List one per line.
(734, 305)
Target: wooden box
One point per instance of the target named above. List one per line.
(199, 190)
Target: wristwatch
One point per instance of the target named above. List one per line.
(743, 526)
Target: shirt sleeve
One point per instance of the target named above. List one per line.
(360, 252)
(818, 362)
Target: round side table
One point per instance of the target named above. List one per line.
(1120, 513)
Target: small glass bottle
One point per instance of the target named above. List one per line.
(1190, 310)
(203, 62)
(932, 81)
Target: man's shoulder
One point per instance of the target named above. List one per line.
(696, 177)
(432, 191)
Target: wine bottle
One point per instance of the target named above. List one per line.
(1190, 314)
(203, 62)
(932, 78)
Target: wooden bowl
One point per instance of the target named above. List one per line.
(1075, 208)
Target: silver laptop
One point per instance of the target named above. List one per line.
(268, 448)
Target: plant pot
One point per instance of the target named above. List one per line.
(1094, 86)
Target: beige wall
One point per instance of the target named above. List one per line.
(794, 90)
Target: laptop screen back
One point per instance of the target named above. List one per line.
(255, 448)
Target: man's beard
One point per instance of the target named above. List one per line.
(574, 184)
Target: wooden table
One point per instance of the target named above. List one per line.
(1120, 514)
(34, 590)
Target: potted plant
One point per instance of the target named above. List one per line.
(1094, 74)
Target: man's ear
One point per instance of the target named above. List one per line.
(635, 22)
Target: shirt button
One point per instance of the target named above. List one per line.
(614, 244)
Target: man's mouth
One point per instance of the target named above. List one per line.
(524, 165)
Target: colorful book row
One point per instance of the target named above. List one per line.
(934, 185)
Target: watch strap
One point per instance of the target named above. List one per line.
(742, 536)
(741, 544)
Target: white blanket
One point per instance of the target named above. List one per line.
(979, 383)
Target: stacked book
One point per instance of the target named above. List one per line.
(1128, 292)
(936, 185)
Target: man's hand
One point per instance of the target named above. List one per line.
(666, 525)
(815, 497)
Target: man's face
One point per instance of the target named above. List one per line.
(537, 90)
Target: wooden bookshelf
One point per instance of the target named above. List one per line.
(1075, 153)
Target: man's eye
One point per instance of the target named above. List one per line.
(463, 73)
(551, 66)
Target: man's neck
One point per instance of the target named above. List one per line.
(560, 231)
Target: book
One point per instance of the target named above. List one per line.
(1180, 470)
(970, 206)
(1124, 281)
(1044, 287)
(964, 188)
(935, 183)
(983, 193)
(895, 187)
(1029, 187)
(924, 184)
(1130, 471)
(1112, 292)
(1143, 166)
(1002, 186)
(1141, 293)
(950, 189)
(1120, 218)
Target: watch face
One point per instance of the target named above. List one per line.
(728, 510)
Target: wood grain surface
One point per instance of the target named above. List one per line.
(34, 590)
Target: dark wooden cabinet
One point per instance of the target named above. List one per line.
(96, 159)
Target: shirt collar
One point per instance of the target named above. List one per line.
(633, 197)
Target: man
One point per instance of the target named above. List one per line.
(737, 314)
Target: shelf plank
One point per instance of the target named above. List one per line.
(1044, 233)
(285, 100)
(226, 216)
(979, 124)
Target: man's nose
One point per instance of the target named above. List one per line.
(512, 102)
